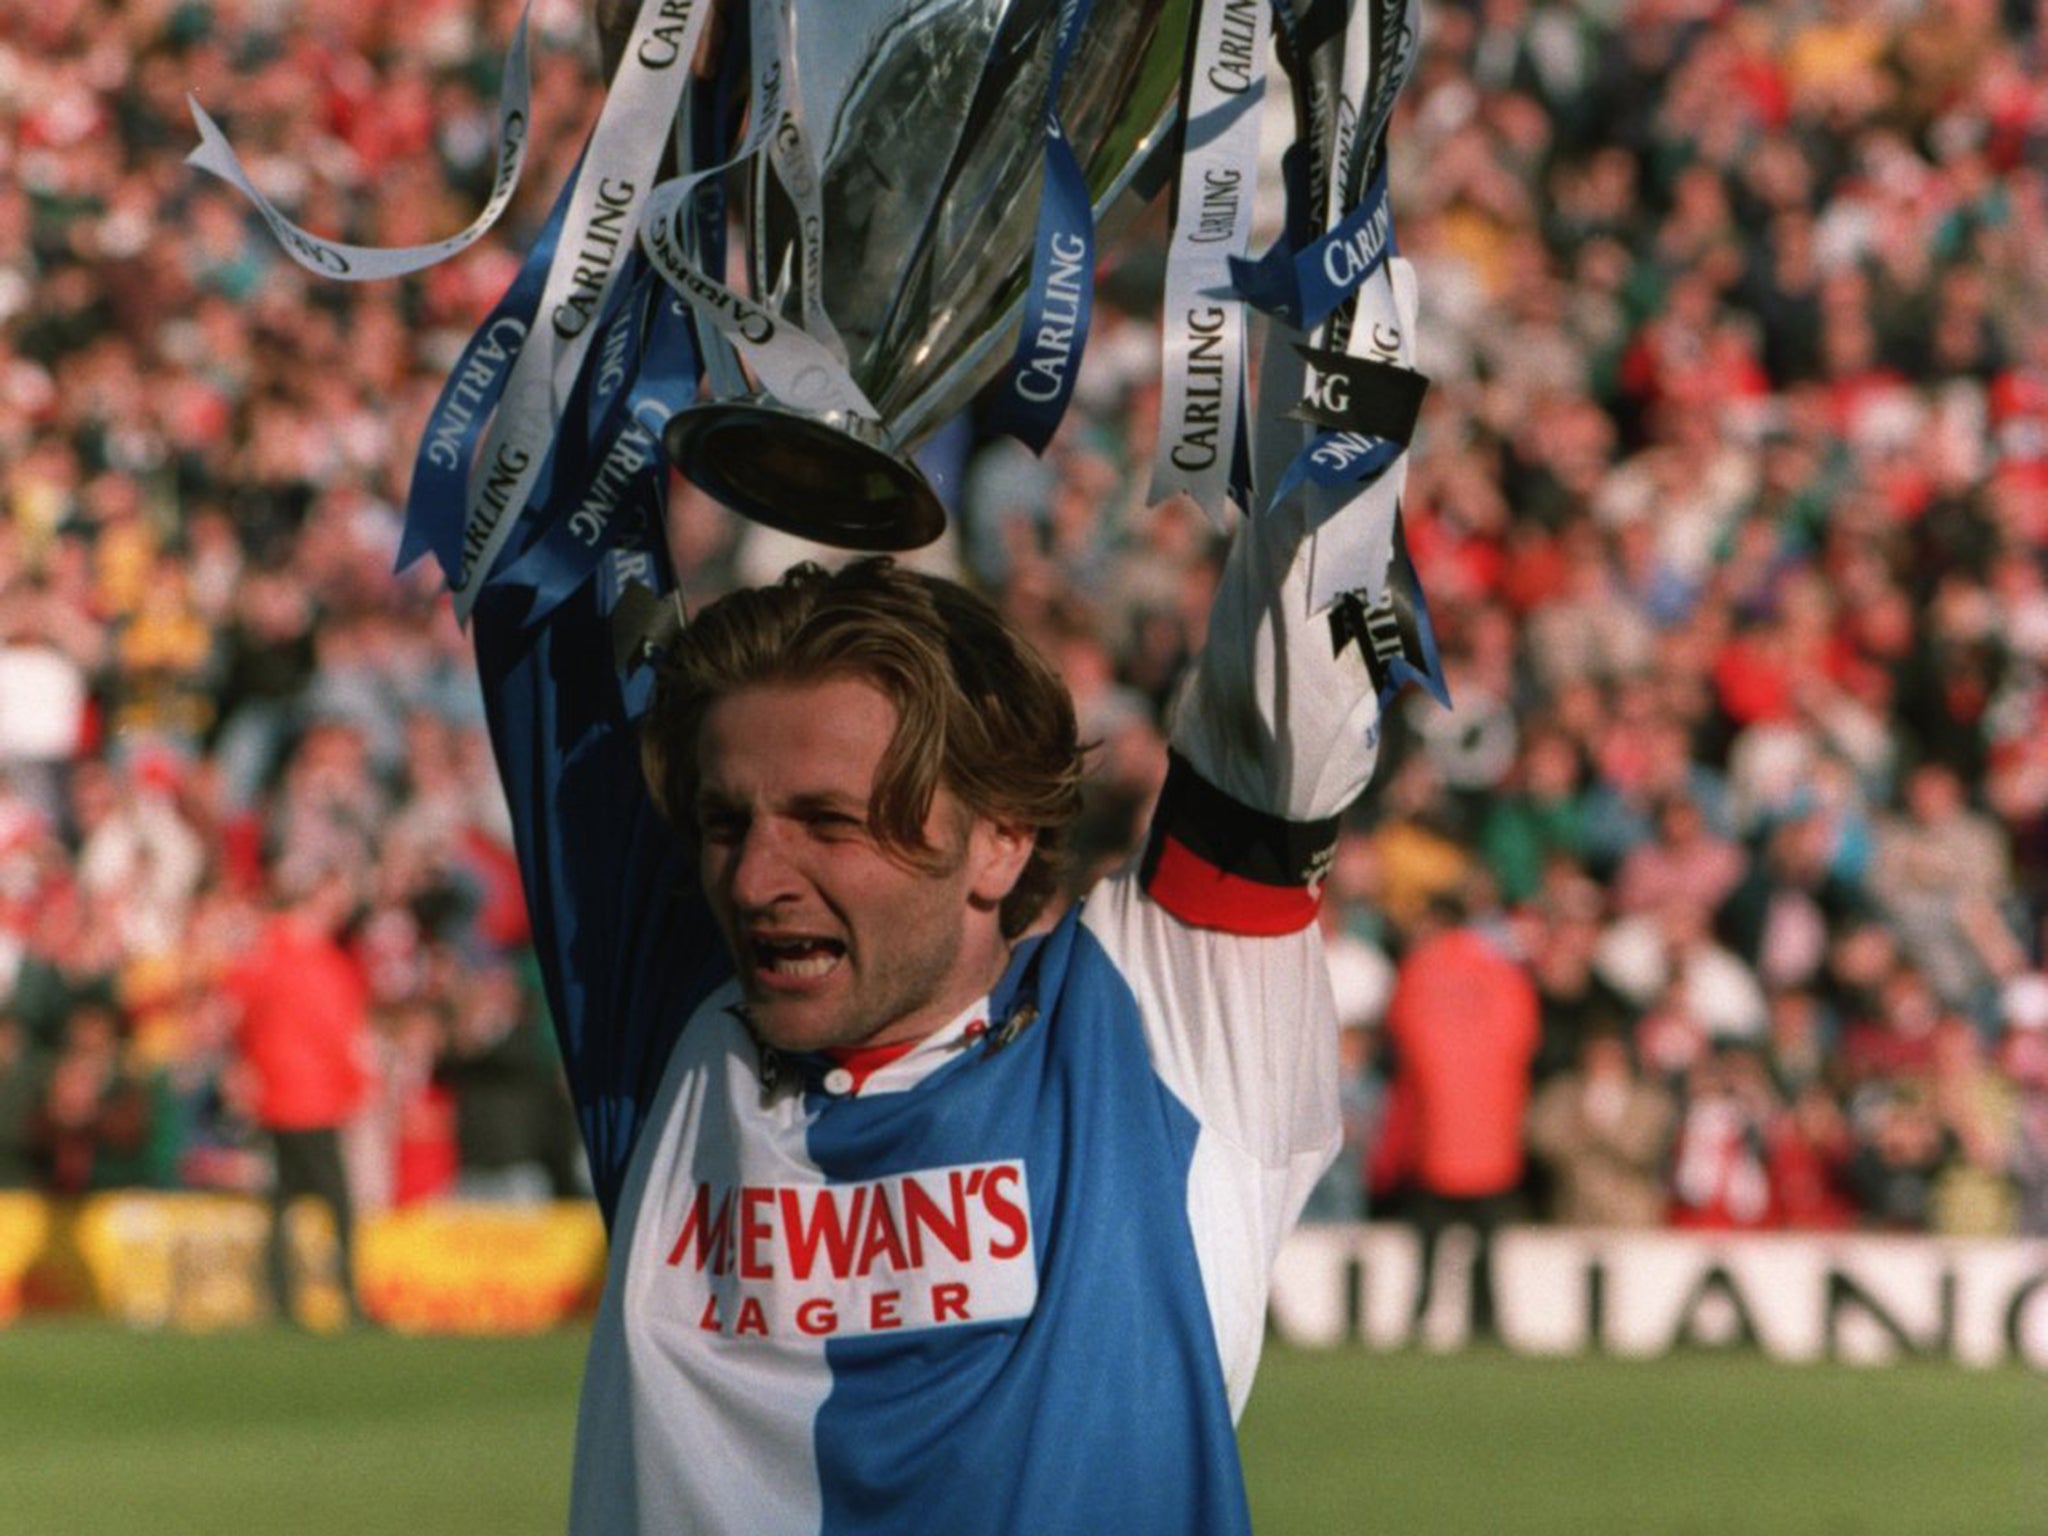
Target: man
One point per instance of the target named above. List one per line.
(1463, 1023)
(926, 1214)
(302, 1027)
(1604, 1131)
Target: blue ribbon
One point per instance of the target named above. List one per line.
(1339, 460)
(632, 558)
(1429, 677)
(621, 336)
(437, 503)
(1032, 395)
(664, 366)
(1419, 663)
(1302, 286)
(622, 475)
(1334, 461)
(599, 508)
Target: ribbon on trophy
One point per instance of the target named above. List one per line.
(610, 191)
(474, 385)
(603, 514)
(1033, 391)
(1201, 448)
(1338, 455)
(602, 499)
(646, 371)
(789, 362)
(509, 391)
(441, 464)
(914, 137)
(361, 263)
(607, 522)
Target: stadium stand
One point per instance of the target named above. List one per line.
(1730, 500)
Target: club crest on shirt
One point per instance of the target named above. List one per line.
(932, 1248)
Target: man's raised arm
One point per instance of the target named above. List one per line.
(1214, 930)
(623, 939)
(1275, 733)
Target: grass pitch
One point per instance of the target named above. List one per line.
(1698, 1445)
(105, 1432)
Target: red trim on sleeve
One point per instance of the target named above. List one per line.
(1203, 896)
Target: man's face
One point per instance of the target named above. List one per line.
(837, 940)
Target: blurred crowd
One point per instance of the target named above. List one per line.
(1730, 500)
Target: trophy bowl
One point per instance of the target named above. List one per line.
(927, 121)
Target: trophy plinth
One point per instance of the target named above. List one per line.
(827, 477)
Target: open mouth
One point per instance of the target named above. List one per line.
(798, 958)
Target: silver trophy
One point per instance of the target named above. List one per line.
(926, 121)
(922, 182)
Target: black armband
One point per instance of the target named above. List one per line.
(1215, 863)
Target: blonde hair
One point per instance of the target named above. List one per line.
(978, 710)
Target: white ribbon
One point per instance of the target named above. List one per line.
(1202, 327)
(796, 168)
(1344, 188)
(795, 367)
(365, 263)
(1375, 67)
(611, 192)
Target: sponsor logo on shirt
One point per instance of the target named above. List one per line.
(929, 1249)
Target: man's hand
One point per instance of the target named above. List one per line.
(1273, 714)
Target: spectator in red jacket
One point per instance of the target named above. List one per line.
(1463, 1025)
(303, 1033)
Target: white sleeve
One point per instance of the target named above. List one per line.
(1214, 929)
(1275, 733)
(1242, 1028)
(1243, 1032)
